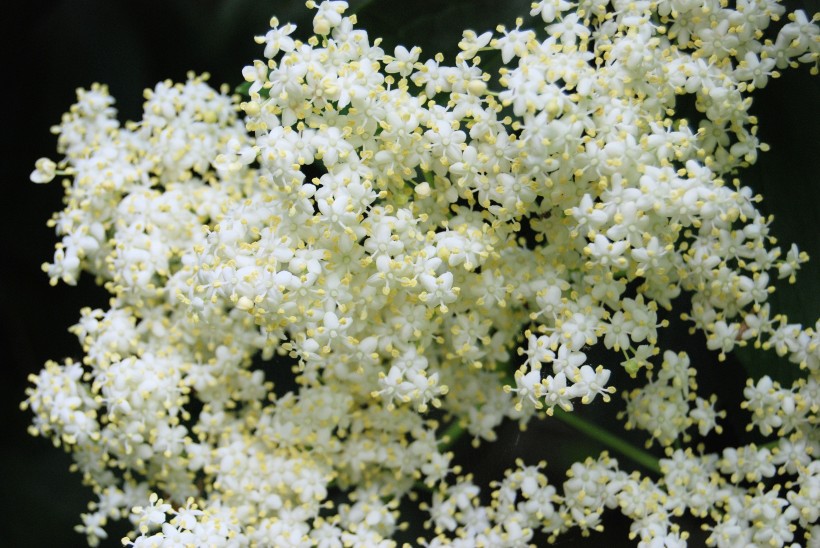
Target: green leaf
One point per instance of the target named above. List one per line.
(243, 89)
(786, 177)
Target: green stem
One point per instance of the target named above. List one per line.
(612, 441)
(360, 7)
(770, 445)
(453, 433)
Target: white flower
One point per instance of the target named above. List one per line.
(549, 9)
(439, 290)
(45, 170)
(328, 16)
(403, 61)
(277, 39)
(472, 43)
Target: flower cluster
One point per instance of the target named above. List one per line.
(430, 247)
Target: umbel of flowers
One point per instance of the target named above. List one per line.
(434, 247)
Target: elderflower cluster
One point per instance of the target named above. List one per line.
(432, 248)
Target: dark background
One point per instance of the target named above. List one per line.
(51, 48)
